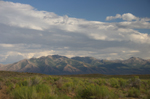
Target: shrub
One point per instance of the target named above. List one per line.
(148, 83)
(34, 81)
(59, 83)
(10, 88)
(43, 88)
(68, 87)
(23, 83)
(148, 96)
(8, 83)
(122, 82)
(1, 79)
(56, 78)
(114, 82)
(40, 91)
(47, 96)
(24, 93)
(0, 85)
(135, 82)
(75, 80)
(63, 96)
(100, 82)
(133, 92)
(45, 92)
(96, 92)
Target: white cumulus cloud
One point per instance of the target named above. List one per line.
(113, 17)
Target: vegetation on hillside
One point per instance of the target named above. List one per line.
(14, 85)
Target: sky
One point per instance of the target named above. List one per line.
(104, 29)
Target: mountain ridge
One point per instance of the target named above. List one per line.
(60, 65)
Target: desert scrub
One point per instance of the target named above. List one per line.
(144, 87)
(59, 83)
(45, 92)
(134, 82)
(148, 84)
(30, 81)
(8, 83)
(56, 78)
(100, 82)
(95, 92)
(24, 92)
(68, 87)
(63, 96)
(43, 88)
(40, 91)
(10, 88)
(134, 92)
(67, 79)
(1, 79)
(48, 79)
(23, 83)
(34, 81)
(122, 82)
(1, 85)
(148, 95)
(114, 82)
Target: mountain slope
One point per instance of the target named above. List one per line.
(56, 64)
(49, 65)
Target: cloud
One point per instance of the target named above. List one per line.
(113, 17)
(129, 17)
(14, 56)
(7, 45)
(26, 32)
(126, 16)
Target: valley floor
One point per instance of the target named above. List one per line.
(15, 85)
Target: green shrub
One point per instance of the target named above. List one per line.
(114, 82)
(63, 96)
(56, 78)
(10, 88)
(59, 83)
(24, 93)
(148, 84)
(1, 79)
(68, 87)
(34, 81)
(43, 88)
(23, 83)
(75, 80)
(122, 82)
(101, 82)
(8, 83)
(47, 96)
(95, 92)
(40, 91)
(133, 92)
(1, 85)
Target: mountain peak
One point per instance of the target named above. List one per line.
(58, 56)
(135, 58)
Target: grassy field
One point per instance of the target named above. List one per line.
(15, 85)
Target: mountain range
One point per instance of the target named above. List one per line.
(61, 65)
